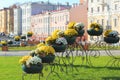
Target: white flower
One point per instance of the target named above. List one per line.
(114, 33)
(79, 25)
(34, 60)
(61, 40)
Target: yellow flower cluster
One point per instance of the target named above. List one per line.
(40, 44)
(3, 42)
(30, 33)
(24, 59)
(49, 40)
(106, 33)
(54, 34)
(46, 49)
(71, 32)
(71, 25)
(60, 33)
(17, 38)
(95, 26)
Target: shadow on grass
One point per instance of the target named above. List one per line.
(111, 78)
(85, 66)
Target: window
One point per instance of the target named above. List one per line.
(91, 1)
(115, 22)
(115, 6)
(102, 8)
(102, 21)
(91, 10)
(98, 9)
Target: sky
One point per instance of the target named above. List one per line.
(6, 3)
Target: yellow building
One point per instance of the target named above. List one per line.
(3, 20)
(6, 20)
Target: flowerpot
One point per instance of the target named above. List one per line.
(32, 69)
(70, 40)
(48, 58)
(93, 32)
(29, 35)
(80, 32)
(23, 37)
(17, 39)
(111, 39)
(59, 48)
(4, 48)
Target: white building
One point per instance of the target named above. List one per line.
(17, 21)
(105, 12)
(29, 9)
(44, 24)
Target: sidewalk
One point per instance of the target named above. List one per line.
(22, 53)
(13, 53)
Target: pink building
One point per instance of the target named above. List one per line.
(43, 24)
(78, 13)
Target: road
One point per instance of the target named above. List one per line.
(22, 53)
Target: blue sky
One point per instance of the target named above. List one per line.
(6, 3)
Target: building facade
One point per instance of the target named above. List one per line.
(78, 13)
(44, 24)
(17, 21)
(3, 20)
(10, 19)
(104, 12)
(30, 9)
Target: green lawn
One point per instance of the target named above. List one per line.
(10, 69)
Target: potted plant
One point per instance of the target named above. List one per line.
(95, 29)
(60, 44)
(23, 37)
(29, 34)
(4, 45)
(46, 53)
(17, 38)
(79, 27)
(111, 36)
(70, 35)
(31, 64)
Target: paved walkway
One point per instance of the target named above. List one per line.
(22, 53)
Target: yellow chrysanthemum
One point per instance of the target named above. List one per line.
(106, 33)
(55, 34)
(3, 42)
(17, 37)
(49, 40)
(30, 33)
(24, 59)
(71, 32)
(71, 25)
(40, 44)
(96, 29)
(46, 49)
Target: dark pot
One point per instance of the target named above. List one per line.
(59, 48)
(32, 69)
(29, 35)
(80, 32)
(48, 59)
(23, 37)
(111, 39)
(70, 40)
(94, 32)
